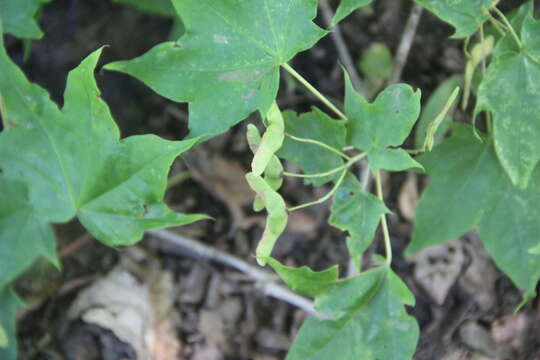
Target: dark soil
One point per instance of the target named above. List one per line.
(254, 326)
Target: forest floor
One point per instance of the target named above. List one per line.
(195, 305)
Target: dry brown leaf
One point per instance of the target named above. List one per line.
(207, 352)
(408, 197)
(510, 329)
(223, 178)
(478, 339)
(481, 275)
(139, 313)
(437, 269)
(211, 326)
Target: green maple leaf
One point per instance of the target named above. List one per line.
(369, 321)
(23, 235)
(466, 16)
(74, 163)
(346, 7)
(18, 17)
(311, 158)
(227, 64)
(3, 338)
(9, 303)
(357, 212)
(383, 124)
(305, 281)
(470, 190)
(510, 90)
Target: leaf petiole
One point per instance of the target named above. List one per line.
(500, 27)
(318, 143)
(384, 224)
(345, 166)
(315, 92)
(508, 25)
(325, 197)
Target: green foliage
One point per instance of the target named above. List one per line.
(227, 64)
(346, 7)
(9, 303)
(18, 17)
(24, 236)
(357, 212)
(305, 281)
(369, 321)
(310, 157)
(458, 200)
(385, 123)
(466, 16)
(3, 338)
(75, 164)
(510, 91)
(479, 53)
(57, 164)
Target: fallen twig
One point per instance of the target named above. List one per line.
(406, 43)
(343, 51)
(265, 279)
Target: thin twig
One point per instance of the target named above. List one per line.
(406, 43)
(314, 91)
(75, 245)
(341, 46)
(325, 197)
(265, 278)
(319, 143)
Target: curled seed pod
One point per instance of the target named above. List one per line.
(271, 140)
(273, 174)
(276, 220)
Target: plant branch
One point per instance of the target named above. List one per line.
(266, 279)
(501, 28)
(318, 143)
(178, 179)
(384, 224)
(315, 92)
(325, 197)
(406, 43)
(349, 163)
(508, 25)
(341, 46)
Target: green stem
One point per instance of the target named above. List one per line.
(178, 178)
(345, 166)
(318, 143)
(489, 123)
(466, 47)
(315, 92)
(501, 28)
(508, 25)
(325, 197)
(384, 224)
